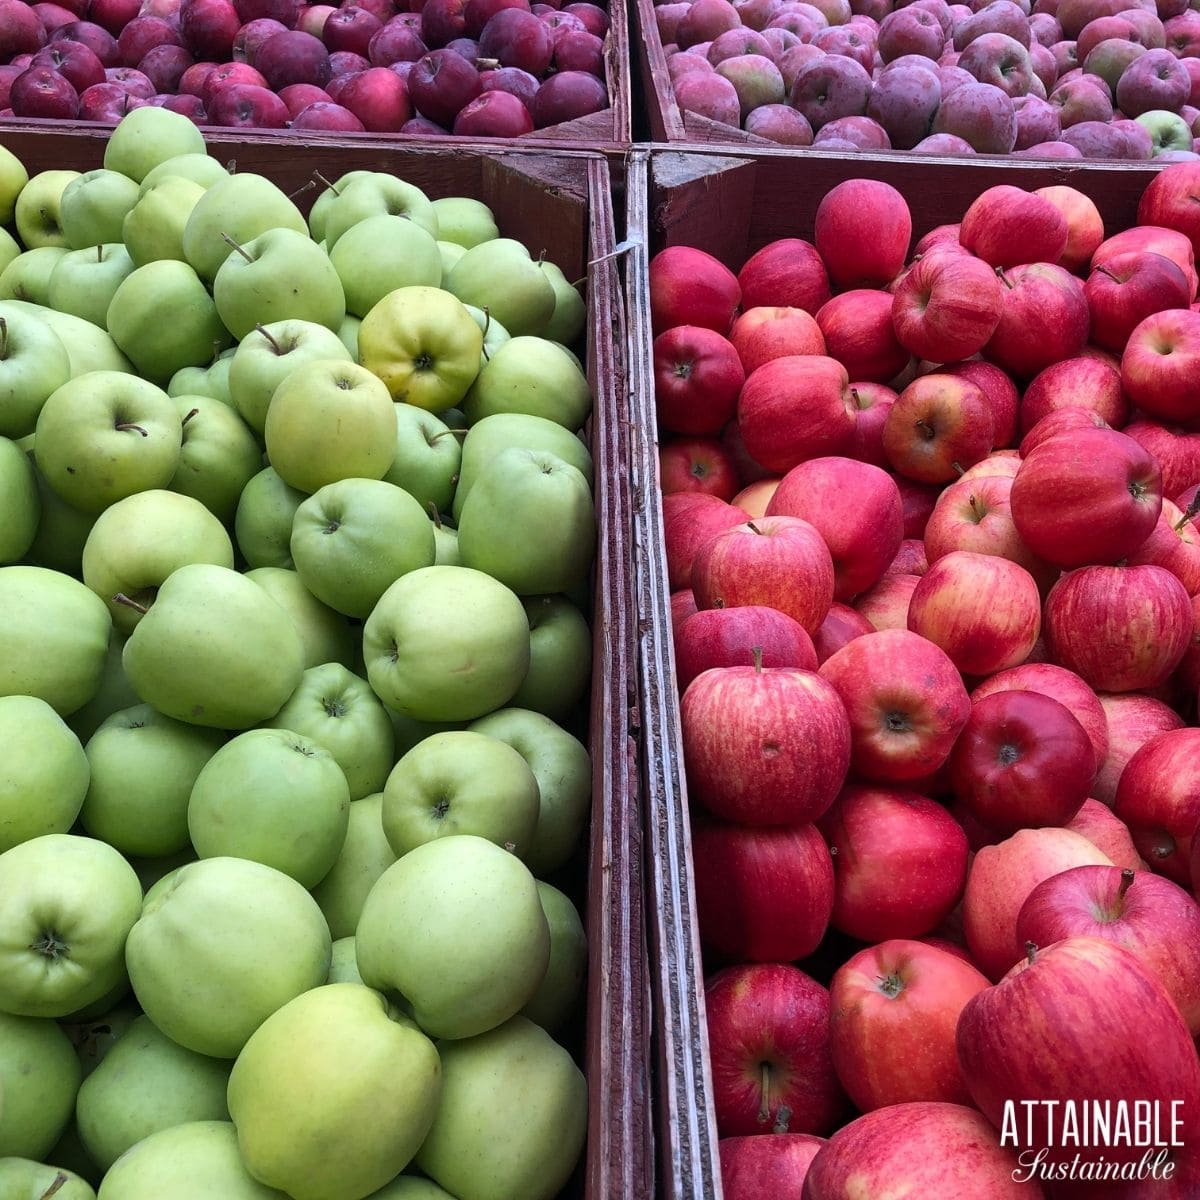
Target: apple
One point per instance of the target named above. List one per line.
(1090, 382)
(1151, 239)
(33, 364)
(697, 378)
(761, 334)
(36, 1179)
(1085, 228)
(857, 330)
(851, 260)
(1158, 360)
(885, 606)
(1006, 226)
(40, 1074)
(690, 520)
(697, 465)
(946, 307)
(728, 637)
(787, 272)
(1042, 297)
(759, 1165)
(939, 425)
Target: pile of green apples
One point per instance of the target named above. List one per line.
(296, 524)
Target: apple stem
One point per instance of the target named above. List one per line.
(1031, 952)
(448, 433)
(99, 254)
(330, 185)
(240, 249)
(958, 467)
(56, 1185)
(3, 338)
(854, 395)
(975, 511)
(764, 1108)
(231, 166)
(265, 333)
(783, 1117)
(1189, 513)
(126, 426)
(1127, 877)
(194, 412)
(121, 598)
(306, 187)
(757, 651)
(1107, 274)
(435, 516)
(1003, 278)
(754, 528)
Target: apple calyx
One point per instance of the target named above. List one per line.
(927, 431)
(897, 722)
(1031, 951)
(51, 944)
(240, 249)
(56, 1185)
(129, 602)
(891, 985)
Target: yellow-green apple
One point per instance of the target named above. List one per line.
(906, 703)
(38, 212)
(885, 606)
(13, 177)
(1154, 918)
(895, 1007)
(534, 376)
(25, 1177)
(778, 561)
(697, 377)
(768, 1036)
(145, 1083)
(54, 642)
(220, 945)
(365, 855)
(761, 334)
(143, 766)
(764, 746)
(464, 221)
(1132, 720)
(560, 657)
(856, 509)
(66, 906)
(200, 168)
(380, 254)
(1044, 319)
(1001, 878)
(872, 403)
(1092, 496)
(983, 611)
(325, 636)
(1157, 798)
(852, 260)
(263, 520)
(84, 282)
(559, 992)
(33, 365)
(148, 137)
(938, 426)
(689, 521)
(922, 1148)
(1126, 288)
(153, 228)
(1085, 226)
(946, 307)
(461, 782)
(755, 1165)
(729, 637)
(39, 1077)
(697, 464)
(218, 457)
(763, 894)
(1084, 1053)
(1006, 226)
(1022, 761)
(1159, 359)
(857, 330)
(787, 272)
(338, 1061)
(500, 276)
(690, 287)
(428, 458)
(899, 862)
(1121, 629)
(94, 205)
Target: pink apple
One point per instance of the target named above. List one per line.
(910, 559)
(298, 96)
(872, 401)
(1006, 226)
(1177, 451)
(1107, 833)
(788, 273)
(1085, 226)
(1000, 463)
(1059, 422)
(939, 426)
(1175, 545)
(762, 334)
(885, 606)
(1133, 720)
(1126, 289)
(683, 605)
(1002, 396)
(697, 378)
(691, 287)
(690, 520)
(852, 260)
(841, 625)
(728, 637)
(1083, 382)
(1169, 201)
(1151, 239)
(755, 497)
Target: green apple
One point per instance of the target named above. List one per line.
(113, 694)
(148, 136)
(500, 276)
(39, 1079)
(562, 985)
(33, 364)
(428, 458)
(106, 435)
(348, 335)
(146, 1083)
(13, 177)
(381, 254)
(320, 208)
(560, 657)
(224, 944)
(423, 344)
(331, 1097)
(280, 275)
(531, 375)
(338, 710)
(158, 348)
(343, 965)
(563, 769)
(88, 347)
(238, 207)
(93, 207)
(62, 530)
(529, 522)
(411, 1187)
(351, 540)
(68, 1153)
(409, 733)
(218, 375)
(274, 797)
(27, 277)
(512, 1119)
(446, 644)
(218, 458)
(494, 334)
(53, 637)
(268, 355)
(84, 282)
(445, 545)
(66, 905)
(153, 228)
(263, 523)
(464, 221)
(214, 650)
(18, 502)
(493, 435)
(570, 312)
(10, 248)
(456, 927)
(460, 782)
(137, 542)
(364, 857)
(142, 768)
(327, 637)
(24, 1179)
(449, 253)
(190, 381)
(196, 1161)
(372, 195)
(199, 168)
(38, 214)
(153, 871)
(330, 420)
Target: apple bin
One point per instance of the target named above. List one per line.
(710, 911)
(559, 203)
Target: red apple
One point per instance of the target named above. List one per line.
(947, 307)
(73, 60)
(697, 465)
(761, 334)
(1003, 463)
(1107, 833)
(293, 57)
(841, 625)
(43, 92)
(857, 329)
(1006, 226)
(378, 97)
(1085, 382)
(905, 700)
(229, 75)
(918, 500)
(1044, 318)
(1169, 201)
(1001, 393)
(113, 15)
(690, 520)
(1160, 363)
(697, 378)
(1175, 545)
(910, 559)
(895, 1007)
(728, 637)
(440, 83)
(1133, 720)
(691, 287)
(885, 606)
(939, 426)
(298, 96)
(1178, 454)
(768, 1164)
(350, 28)
(208, 28)
(851, 259)
(1151, 239)
(1085, 226)
(1061, 421)
(762, 894)
(20, 30)
(768, 1035)
(683, 605)
(1126, 289)
(755, 497)
(786, 273)
(872, 402)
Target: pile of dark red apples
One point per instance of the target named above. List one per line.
(930, 524)
(476, 68)
(1041, 78)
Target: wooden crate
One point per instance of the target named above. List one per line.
(560, 204)
(732, 206)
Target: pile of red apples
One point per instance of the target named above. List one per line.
(475, 68)
(928, 520)
(1040, 78)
